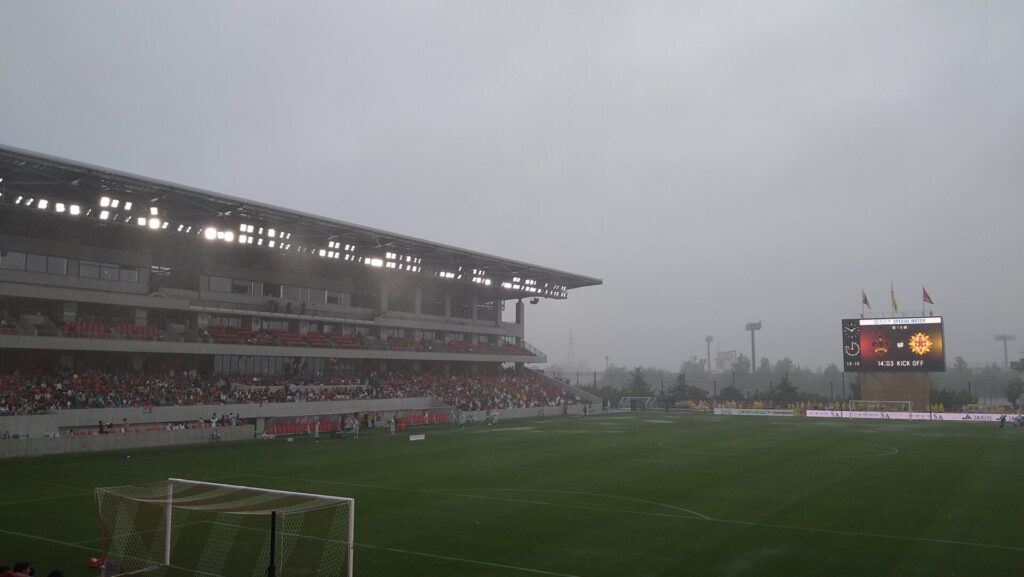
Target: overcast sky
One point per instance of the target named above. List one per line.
(713, 162)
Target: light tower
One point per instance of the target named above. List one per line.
(753, 356)
(708, 340)
(1005, 339)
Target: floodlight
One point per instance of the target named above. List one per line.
(43, 203)
(114, 203)
(241, 228)
(272, 233)
(272, 243)
(18, 201)
(141, 221)
(180, 226)
(229, 236)
(75, 210)
(128, 205)
(154, 223)
(154, 211)
(210, 233)
(60, 207)
(260, 242)
(249, 229)
(105, 201)
(376, 262)
(241, 238)
(165, 224)
(104, 215)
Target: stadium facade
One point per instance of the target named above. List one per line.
(101, 266)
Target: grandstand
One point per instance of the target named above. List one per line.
(112, 284)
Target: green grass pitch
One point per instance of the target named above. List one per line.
(607, 495)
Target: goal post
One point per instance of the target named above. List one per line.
(184, 528)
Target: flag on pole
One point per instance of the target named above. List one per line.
(864, 299)
(926, 297)
(892, 294)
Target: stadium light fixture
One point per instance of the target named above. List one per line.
(128, 205)
(229, 236)
(75, 210)
(141, 221)
(210, 233)
(165, 224)
(104, 214)
(59, 207)
(272, 233)
(271, 244)
(259, 242)
(154, 223)
(105, 201)
(154, 211)
(19, 199)
(114, 203)
(43, 203)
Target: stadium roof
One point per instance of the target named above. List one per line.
(41, 182)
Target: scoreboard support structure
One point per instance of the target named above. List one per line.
(892, 386)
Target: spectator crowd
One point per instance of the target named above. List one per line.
(65, 389)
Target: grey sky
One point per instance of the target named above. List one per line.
(713, 162)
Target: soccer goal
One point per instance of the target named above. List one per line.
(881, 406)
(182, 528)
(638, 403)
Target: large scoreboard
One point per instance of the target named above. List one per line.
(907, 344)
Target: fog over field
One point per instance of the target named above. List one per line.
(714, 163)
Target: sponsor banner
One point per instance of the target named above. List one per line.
(755, 412)
(905, 416)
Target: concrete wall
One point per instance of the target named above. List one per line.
(117, 442)
(887, 386)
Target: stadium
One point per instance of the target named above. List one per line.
(194, 384)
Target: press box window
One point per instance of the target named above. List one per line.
(36, 263)
(88, 269)
(220, 284)
(12, 260)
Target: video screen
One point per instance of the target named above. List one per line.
(908, 344)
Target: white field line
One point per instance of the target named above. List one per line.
(41, 499)
(693, 517)
(460, 560)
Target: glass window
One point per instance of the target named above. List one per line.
(12, 260)
(89, 269)
(291, 293)
(110, 271)
(129, 275)
(57, 265)
(220, 284)
(317, 296)
(36, 263)
(241, 287)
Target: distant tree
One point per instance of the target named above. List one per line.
(637, 385)
(1014, 387)
(606, 392)
(785, 391)
(951, 400)
(730, 393)
(854, 388)
(742, 364)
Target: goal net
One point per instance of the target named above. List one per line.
(638, 403)
(182, 528)
(881, 406)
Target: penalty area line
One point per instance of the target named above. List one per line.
(461, 560)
